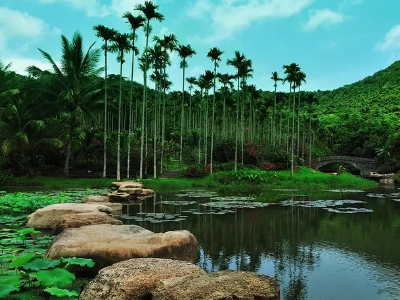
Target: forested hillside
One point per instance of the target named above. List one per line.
(363, 119)
(77, 119)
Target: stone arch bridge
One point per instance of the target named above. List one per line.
(365, 165)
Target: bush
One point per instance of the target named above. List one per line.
(247, 175)
(6, 179)
(194, 171)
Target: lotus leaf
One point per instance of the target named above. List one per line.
(55, 291)
(41, 264)
(83, 262)
(56, 277)
(9, 285)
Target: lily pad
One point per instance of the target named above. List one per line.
(178, 203)
(41, 264)
(345, 191)
(349, 210)
(82, 262)
(9, 285)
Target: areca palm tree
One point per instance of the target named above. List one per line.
(75, 83)
(149, 12)
(168, 44)
(275, 77)
(135, 23)
(121, 45)
(300, 79)
(106, 34)
(215, 55)
(226, 81)
(291, 72)
(185, 52)
(237, 63)
(191, 81)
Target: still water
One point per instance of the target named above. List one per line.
(347, 248)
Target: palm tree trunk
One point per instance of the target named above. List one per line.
(119, 122)
(212, 120)
(105, 113)
(155, 134)
(237, 123)
(182, 115)
(128, 163)
(144, 104)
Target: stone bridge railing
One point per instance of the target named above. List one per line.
(365, 165)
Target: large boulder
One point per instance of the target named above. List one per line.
(49, 216)
(222, 285)
(118, 196)
(109, 244)
(136, 278)
(84, 219)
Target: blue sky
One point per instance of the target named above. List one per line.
(335, 42)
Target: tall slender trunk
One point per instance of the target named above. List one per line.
(275, 117)
(163, 130)
(182, 114)
(155, 134)
(293, 135)
(298, 123)
(105, 112)
(69, 148)
(237, 122)
(212, 120)
(128, 163)
(119, 122)
(144, 103)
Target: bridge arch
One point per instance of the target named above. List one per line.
(365, 165)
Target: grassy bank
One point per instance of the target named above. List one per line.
(240, 181)
(259, 180)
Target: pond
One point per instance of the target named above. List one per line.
(343, 245)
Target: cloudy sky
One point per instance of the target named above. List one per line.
(336, 42)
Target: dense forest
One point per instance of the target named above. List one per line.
(78, 120)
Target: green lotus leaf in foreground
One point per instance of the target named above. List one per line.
(22, 260)
(83, 262)
(55, 291)
(9, 285)
(56, 277)
(41, 264)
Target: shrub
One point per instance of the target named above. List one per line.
(194, 171)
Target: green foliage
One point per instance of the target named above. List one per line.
(41, 264)
(55, 277)
(247, 175)
(55, 291)
(194, 171)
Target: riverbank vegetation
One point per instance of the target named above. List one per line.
(73, 121)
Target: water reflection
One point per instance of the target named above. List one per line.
(314, 254)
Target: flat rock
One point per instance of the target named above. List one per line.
(84, 219)
(49, 216)
(118, 197)
(136, 278)
(224, 285)
(127, 184)
(147, 192)
(131, 191)
(95, 199)
(109, 244)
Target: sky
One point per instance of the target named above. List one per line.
(335, 42)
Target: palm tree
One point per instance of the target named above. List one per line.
(149, 12)
(168, 44)
(185, 52)
(75, 81)
(291, 74)
(237, 62)
(121, 45)
(225, 80)
(135, 23)
(246, 71)
(207, 79)
(215, 55)
(106, 34)
(191, 81)
(300, 79)
(23, 128)
(275, 77)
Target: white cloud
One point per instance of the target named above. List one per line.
(119, 7)
(16, 24)
(232, 16)
(20, 64)
(323, 17)
(391, 40)
(93, 8)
